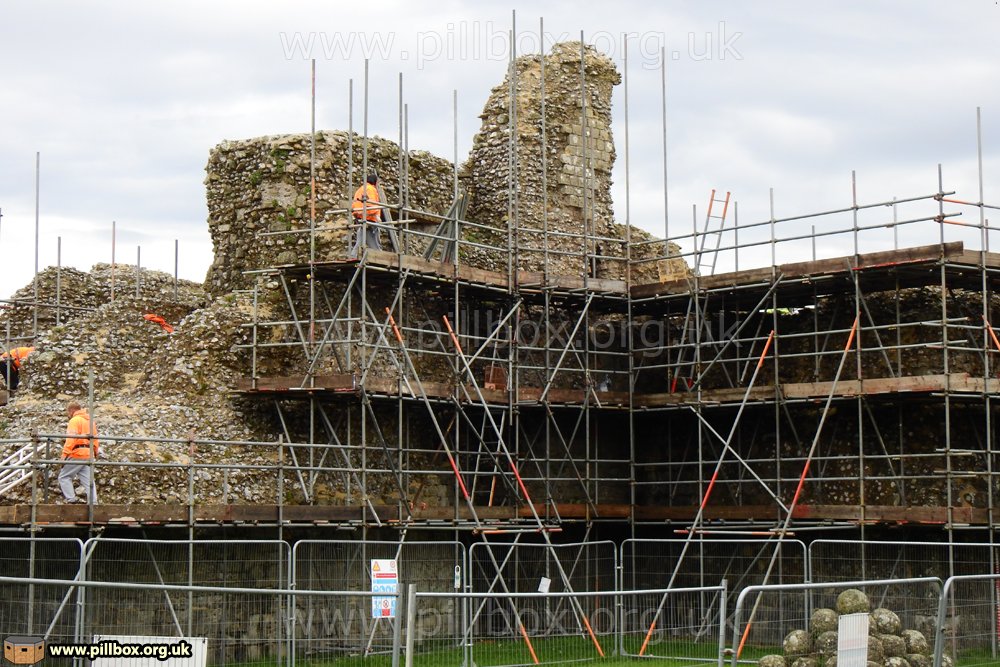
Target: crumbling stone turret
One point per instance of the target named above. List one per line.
(262, 185)
(563, 189)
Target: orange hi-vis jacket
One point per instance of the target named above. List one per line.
(156, 319)
(18, 355)
(77, 443)
(373, 212)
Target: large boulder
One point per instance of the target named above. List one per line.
(894, 646)
(798, 642)
(823, 620)
(826, 643)
(916, 642)
(886, 621)
(876, 652)
(852, 601)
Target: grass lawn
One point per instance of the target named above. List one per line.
(570, 650)
(558, 651)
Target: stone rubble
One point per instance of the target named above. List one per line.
(147, 383)
(888, 644)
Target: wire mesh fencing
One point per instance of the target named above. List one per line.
(844, 560)
(704, 561)
(47, 558)
(776, 620)
(679, 624)
(968, 622)
(555, 628)
(240, 563)
(256, 564)
(348, 627)
(241, 625)
(235, 625)
(524, 567)
(26, 609)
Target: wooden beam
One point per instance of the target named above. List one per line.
(335, 382)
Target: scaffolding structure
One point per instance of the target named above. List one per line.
(423, 391)
(846, 381)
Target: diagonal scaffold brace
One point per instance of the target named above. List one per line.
(783, 530)
(708, 493)
(502, 446)
(458, 476)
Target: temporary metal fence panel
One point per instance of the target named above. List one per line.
(709, 560)
(26, 609)
(523, 567)
(46, 557)
(968, 622)
(242, 626)
(248, 563)
(763, 614)
(843, 560)
(344, 564)
(520, 631)
(345, 626)
(840, 560)
(259, 564)
(682, 624)
(516, 567)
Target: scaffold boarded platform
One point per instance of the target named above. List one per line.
(827, 273)
(960, 383)
(496, 517)
(390, 263)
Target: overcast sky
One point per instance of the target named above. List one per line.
(124, 100)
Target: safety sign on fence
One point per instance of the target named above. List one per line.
(385, 581)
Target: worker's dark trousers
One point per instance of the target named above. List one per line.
(11, 376)
(369, 237)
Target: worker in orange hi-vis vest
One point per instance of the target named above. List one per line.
(156, 319)
(10, 364)
(367, 207)
(80, 449)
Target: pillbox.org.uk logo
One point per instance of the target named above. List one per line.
(23, 650)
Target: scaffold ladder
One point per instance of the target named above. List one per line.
(13, 474)
(711, 236)
(387, 219)
(446, 234)
(487, 458)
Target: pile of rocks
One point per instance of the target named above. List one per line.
(65, 294)
(889, 645)
(147, 383)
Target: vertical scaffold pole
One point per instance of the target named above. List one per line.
(114, 235)
(34, 281)
(312, 212)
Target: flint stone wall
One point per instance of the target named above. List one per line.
(263, 185)
(568, 192)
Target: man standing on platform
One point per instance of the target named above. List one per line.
(366, 207)
(78, 453)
